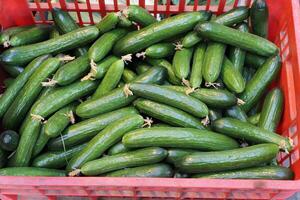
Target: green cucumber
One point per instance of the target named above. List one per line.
(29, 93)
(24, 54)
(259, 14)
(136, 158)
(40, 142)
(233, 16)
(117, 148)
(237, 113)
(9, 140)
(170, 97)
(7, 33)
(175, 155)
(117, 98)
(260, 81)
(254, 61)
(214, 114)
(108, 23)
(191, 39)
(254, 119)
(138, 40)
(167, 114)
(159, 50)
(248, 73)
(272, 110)
(243, 130)
(7, 82)
(102, 67)
(13, 71)
(124, 22)
(233, 37)
(232, 77)
(128, 75)
(178, 138)
(202, 162)
(139, 15)
(104, 44)
(104, 140)
(54, 33)
(111, 79)
(196, 73)
(56, 159)
(142, 68)
(3, 158)
(155, 170)
(181, 62)
(31, 171)
(266, 172)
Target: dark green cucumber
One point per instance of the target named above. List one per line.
(105, 139)
(170, 97)
(191, 39)
(259, 14)
(233, 16)
(117, 98)
(111, 79)
(248, 73)
(196, 73)
(237, 113)
(178, 138)
(3, 158)
(104, 44)
(254, 61)
(7, 33)
(117, 148)
(155, 170)
(159, 50)
(202, 162)
(128, 75)
(56, 159)
(142, 67)
(233, 37)
(13, 71)
(31, 171)
(136, 158)
(12, 92)
(243, 130)
(213, 61)
(139, 15)
(29, 93)
(272, 110)
(7, 82)
(237, 55)
(214, 114)
(260, 81)
(254, 119)
(9, 140)
(40, 142)
(167, 114)
(102, 67)
(24, 54)
(181, 62)
(266, 172)
(108, 23)
(175, 155)
(138, 40)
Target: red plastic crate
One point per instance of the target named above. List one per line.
(284, 31)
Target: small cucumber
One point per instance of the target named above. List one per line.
(202, 162)
(167, 114)
(260, 81)
(254, 119)
(136, 158)
(117, 148)
(139, 15)
(178, 138)
(31, 171)
(3, 158)
(155, 170)
(40, 142)
(254, 61)
(191, 39)
(102, 67)
(181, 62)
(9, 140)
(108, 23)
(243, 130)
(196, 73)
(128, 75)
(142, 68)
(259, 14)
(13, 71)
(9, 32)
(237, 113)
(214, 114)
(272, 110)
(159, 50)
(175, 155)
(233, 16)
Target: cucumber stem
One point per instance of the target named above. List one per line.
(37, 117)
(214, 85)
(70, 115)
(6, 44)
(148, 122)
(189, 89)
(127, 58)
(91, 75)
(76, 172)
(50, 83)
(142, 54)
(178, 46)
(240, 102)
(66, 58)
(127, 90)
(205, 121)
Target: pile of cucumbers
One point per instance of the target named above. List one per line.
(132, 96)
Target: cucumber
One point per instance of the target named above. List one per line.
(170, 97)
(13, 71)
(12, 92)
(29, 93)
(233, 37)
(117, 98)
(142, 68)
(243, 130)
(117, 148)
(155, 170)
(24, 54)
(159, 50)
(167, 114)
(213, 61)
(255, 109)
(237, 113)
(167, 28)
(232, 77)
(254, 119)
(178, 138)
(56, 159)
(7, 33)
(260, 81)
(104, 140)
(196, 73)
(108, 23)
(272, 110)
(139, 15)
(31, 171)
(175, 155)
(104, 44)
(40, 142)
(248, 73)
(136, 158)
(233, 16)
(85, 130)
(202, 162)
(191, 39)
(237, 55)
(266, 172)
(102, 67)
(214, 114)
(254, 61)
(111, 79)
(9, 140)
(259, 14)
(128, 75)
(181, 62)
(124, 22)
(3, 158)
(7, 82)
(54, 33)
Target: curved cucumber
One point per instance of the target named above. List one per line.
(13, 71)
(9, 140)
(259, 14)
(102, 67)
(7, 33)
(233, 16)
(254, 119)
(139, 15)
(175, 155)
(108, 23)
(40, 142)
(117, 148)
(213, 115)
(254, 61)
(237, 113)
(31, 171)
(196, 73)
(181, 62)
(128, 75)
(160, 50)
(190, 39)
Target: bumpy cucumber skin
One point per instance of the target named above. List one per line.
(272, 110)
(254, 119)
(7, 33)
(214, 114)
(160, 50)
(13, 71)
(191, 39)
(243, 130)
(181, 62)
(196, 73)
(31, 171)
(260, 81)
(40, 142)
(167, 114)
(139, 15)
(104, 65)
(9, 140)
(259, 14)
(254, 61)
(123, 160)
(175, 155)
(108, 23)
(138, 40)
(234, 16)
(117, 148)
(178, 138)
(202, 162)
(128, 75)
(85, 130)
(237, 113)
